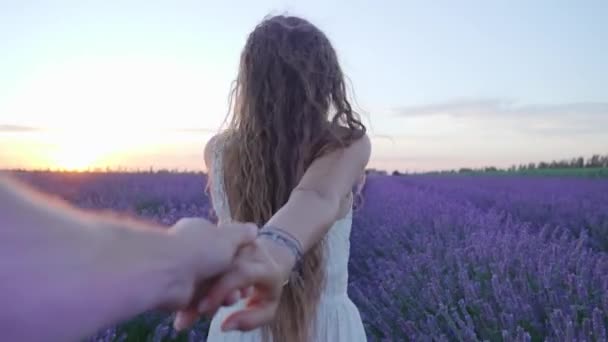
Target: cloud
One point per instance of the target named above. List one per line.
(502, 107)
(566, 118)
(20, 128)
(16, 128)
(463, 107)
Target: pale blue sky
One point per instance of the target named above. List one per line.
(444, 84)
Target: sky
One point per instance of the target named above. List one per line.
(440, 85)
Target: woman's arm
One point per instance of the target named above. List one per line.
(65, 274)
(315, 204)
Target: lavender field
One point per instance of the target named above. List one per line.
(433, 258)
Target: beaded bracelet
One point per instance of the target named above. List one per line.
(284, 238)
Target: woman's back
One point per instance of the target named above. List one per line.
(337, 319)
(291, 120)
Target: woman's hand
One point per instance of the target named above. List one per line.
(258, 273)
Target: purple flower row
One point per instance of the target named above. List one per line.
(433, 258)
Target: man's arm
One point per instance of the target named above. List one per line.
(65, 274)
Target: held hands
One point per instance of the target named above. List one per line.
(257, 273)
(200, 251)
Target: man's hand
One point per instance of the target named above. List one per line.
(119, 267)
(256, 274)
(202, 251)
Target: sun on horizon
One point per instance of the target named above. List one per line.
(88, 148)
(82, 149)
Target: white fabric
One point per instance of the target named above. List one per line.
(338, 319)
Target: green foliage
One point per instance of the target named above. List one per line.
(570, 172)
(594, 167)
(582, 172)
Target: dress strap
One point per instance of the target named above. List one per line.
(219, 193)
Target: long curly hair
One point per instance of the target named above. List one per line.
(289, 106)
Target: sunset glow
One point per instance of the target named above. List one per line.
(78, 151)
(106, 112)
(103, 93)
(124, 85)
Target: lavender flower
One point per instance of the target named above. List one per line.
(433, 258)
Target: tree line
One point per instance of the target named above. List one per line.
(595, 161)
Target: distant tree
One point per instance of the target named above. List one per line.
(396, 173)
(594, 161)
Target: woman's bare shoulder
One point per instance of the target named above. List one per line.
(210, 148)
(358, 151)
(212, 143)
(335, 173)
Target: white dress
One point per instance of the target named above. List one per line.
(338, 318)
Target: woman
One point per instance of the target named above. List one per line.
(289, 161)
